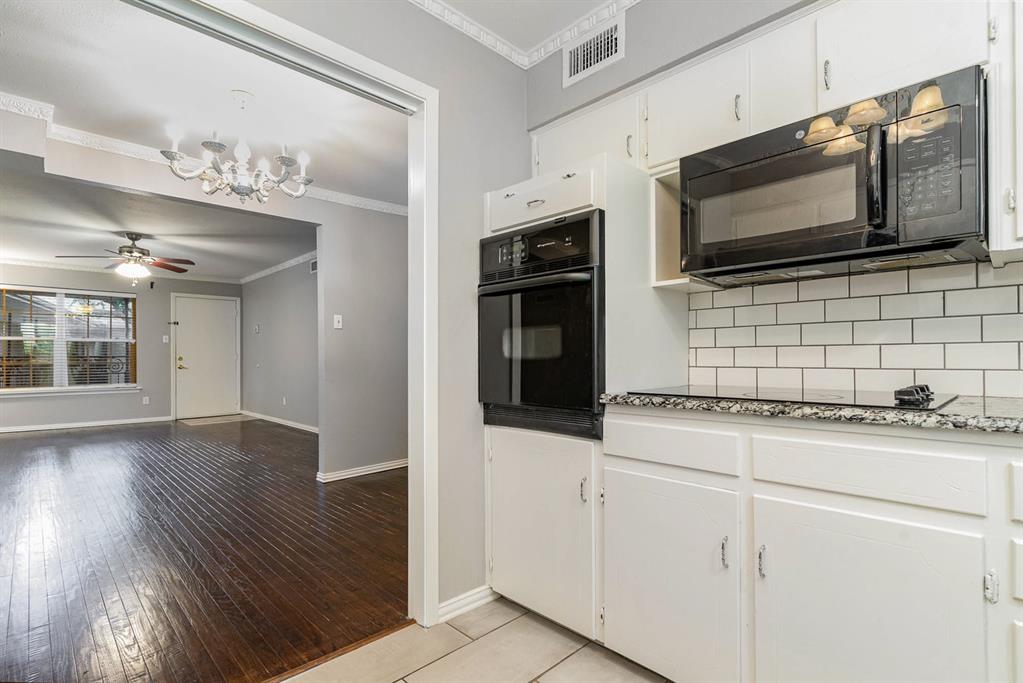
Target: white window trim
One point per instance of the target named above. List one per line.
(69, 391)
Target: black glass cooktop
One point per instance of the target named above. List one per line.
(865, 399)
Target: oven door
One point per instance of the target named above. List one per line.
(538, 342)
(821, 200)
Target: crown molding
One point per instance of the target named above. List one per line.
(26, 107)
(103, 143)
(524, 58)
(356, 201)
(96, 269)
(279, 267)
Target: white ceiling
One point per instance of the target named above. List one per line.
(118, 71)
(42, 215)
(525, 23)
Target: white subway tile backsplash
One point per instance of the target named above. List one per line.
(800, 356)
(701, 300)
(927, 305)
(955, 276)
(962, 382)
(736, 336)
(841, 380)
(862, 308)
(778, 335)
(862, 356)
(779, 378)
(756, 315)
(756, 357)
(803, 312)
(965, 329)
(773, 294)
(737, 377)
(872, 284)
(883, 332)
(989, 276)
(984, 356)
(714, 317)
(715, 357)
(1003, 327)
(1003, 383)
(692, 319)
(911, 356)
(703, 376)
(825, 288)
(701, 338)
(828, 333)
(692, 357)
(738, 296)
(988, 300)
(883, 380)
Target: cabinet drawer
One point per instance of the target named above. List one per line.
(945, 482)
(540, 197)
(698, 449)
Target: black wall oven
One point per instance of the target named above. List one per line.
(541, 326)
(893, 181)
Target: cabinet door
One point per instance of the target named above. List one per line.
(672, 576)
(613, 128)
(849, 597)
(783, 82)
(542, 524)
(702, 107)
(870, 47)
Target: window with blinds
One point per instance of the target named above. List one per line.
(51, 338)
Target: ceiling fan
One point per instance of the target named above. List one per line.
(133, 260)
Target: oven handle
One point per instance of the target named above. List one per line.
(539, 281)
(874, 179)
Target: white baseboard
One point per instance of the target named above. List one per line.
(282, 421)
(359, 471)
(93, 423)
(465, 602)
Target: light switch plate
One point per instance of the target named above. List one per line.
(337, 321)
(166, 339)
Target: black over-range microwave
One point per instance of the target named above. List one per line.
(894, 181)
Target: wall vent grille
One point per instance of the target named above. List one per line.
(593, 52)
(312, 266)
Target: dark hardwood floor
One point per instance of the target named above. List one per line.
(174, 553)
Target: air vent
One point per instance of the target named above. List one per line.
(579, 261)
(312, 266)
(592, 52)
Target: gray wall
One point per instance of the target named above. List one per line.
(154, 357)
(658, 35)
(281, 360)
(483, 145)
(364, 393)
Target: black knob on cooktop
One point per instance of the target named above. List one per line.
(914, 395)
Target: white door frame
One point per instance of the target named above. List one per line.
(174, 345)
(257, 30)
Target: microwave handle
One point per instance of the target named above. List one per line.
(874, 181)
(534, 282)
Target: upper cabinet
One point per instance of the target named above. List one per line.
(702, 107)
(868, 47)
(613, 129)
(782, 75)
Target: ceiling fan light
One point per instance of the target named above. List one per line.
(132, 270)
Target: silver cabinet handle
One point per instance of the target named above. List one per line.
(827, 74)
(724, 552)
(509, 195)
(567, 176)
(761, 568)
(582, 486)
(536, 202)
(737, 116)
(628, 145)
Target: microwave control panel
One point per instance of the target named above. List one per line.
(929, 167)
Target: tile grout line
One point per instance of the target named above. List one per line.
(463, 645)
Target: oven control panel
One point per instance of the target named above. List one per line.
(557, 245)
(929, 165)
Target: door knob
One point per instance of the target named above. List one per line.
(182, 367)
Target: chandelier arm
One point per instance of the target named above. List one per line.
(176, 169)
(294, 194)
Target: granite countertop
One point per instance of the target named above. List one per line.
(974, 413)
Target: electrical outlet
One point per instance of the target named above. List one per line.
(145, 400)
(284, 400)
(166, 339)
(255, 330)
(337, 321)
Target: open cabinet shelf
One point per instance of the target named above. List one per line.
(666, 251)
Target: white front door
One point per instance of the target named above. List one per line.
(206, 356)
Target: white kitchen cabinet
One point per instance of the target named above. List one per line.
(572, 188)
(612, 128)
(672, 575)
(783, 68)
(702, 107)
(842, 596)
(869, 47)
(542, 524)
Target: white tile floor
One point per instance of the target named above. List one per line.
(497, 642)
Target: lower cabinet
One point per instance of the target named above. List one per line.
(542, 524)
(671, 553)
(850, 597)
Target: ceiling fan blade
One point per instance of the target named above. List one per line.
(117, 257)
(113, 265)
(116, 253)
(182, 261)
(167, 266)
